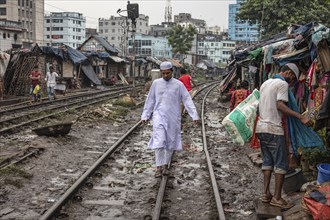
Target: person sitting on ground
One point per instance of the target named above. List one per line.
(239, 95)
(186, 79)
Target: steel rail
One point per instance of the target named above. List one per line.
(53, 210)
(161, 190)
(20, 107)
(209, 164)
(100, 98)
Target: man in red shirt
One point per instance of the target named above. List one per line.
(35, 78)
(186, 79)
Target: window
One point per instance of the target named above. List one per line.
(3, 11)
(2, 2)
(113, 23)
(4, 36)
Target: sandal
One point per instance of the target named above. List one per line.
(265, 198)
(166, 171)
(281, 203)
(158, 173)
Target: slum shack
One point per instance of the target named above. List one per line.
(307, 46)
(104, 59)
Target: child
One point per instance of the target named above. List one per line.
(37, 93)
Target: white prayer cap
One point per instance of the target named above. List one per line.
(294, 69)
(165, 65)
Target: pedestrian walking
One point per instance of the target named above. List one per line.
(51, 83)
(186, 79)
(237, 96)
(163, 103)
(274, 96)
(35, 77)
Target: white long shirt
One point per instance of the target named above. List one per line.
(163, 101)
(51, 79)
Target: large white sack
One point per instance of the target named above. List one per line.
(240, 122)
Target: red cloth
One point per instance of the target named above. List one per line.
(319, 210)
(35, 81)
(186, 80)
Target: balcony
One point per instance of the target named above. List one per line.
(11, 25)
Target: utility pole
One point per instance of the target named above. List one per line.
(133, 14)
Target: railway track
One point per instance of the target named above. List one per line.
(108, 187)
(19, 116)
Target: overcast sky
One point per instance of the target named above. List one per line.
(214, 12)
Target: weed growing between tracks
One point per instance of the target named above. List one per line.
(13, 175)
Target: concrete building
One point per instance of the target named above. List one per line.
(241, 31)
(117, 29)
(29, 15)
(213, 30)
(159, 30)
(185, 19)
(146, 45)
(214, 48)
(67, 28)
(90, 32)
(11, 34)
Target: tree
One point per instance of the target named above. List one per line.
(181, 38)
(275, 16)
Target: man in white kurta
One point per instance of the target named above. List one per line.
(163, 102)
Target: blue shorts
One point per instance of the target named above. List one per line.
(274, 152)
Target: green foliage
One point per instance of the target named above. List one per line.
(315, 158)
(15, 171)
(277, 15)
(181, 38)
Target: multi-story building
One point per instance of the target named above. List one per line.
(11, 33)
(146, 45)
(90, 32)
(214, 48)
(214, 30)
(29, 15)
(67, 28)
(185, 19)
(241, 31)
(116, 30)
(160, 30)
